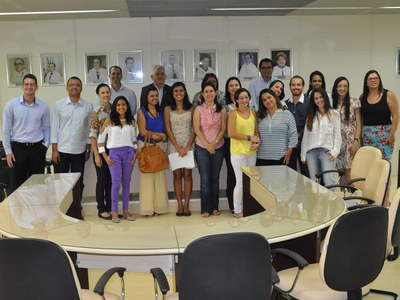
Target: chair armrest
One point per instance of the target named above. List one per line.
(159, 277)
(319, 175)
(101, 283)
(357, 206)
(344, 186)
(274, 277)
(351, 181)
(297, 258)
(369, 201)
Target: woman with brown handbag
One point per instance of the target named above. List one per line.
(153, 196)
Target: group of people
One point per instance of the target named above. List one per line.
(309, 132)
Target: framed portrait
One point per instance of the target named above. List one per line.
(174, 65)
(96, 68)
(52, 69)
(283, 65)
(204, 61)
(398, 62)
(18, 65)
(247, 64)
(132, 66)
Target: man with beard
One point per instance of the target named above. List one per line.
(298, 106)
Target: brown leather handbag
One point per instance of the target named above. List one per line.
(152, 158)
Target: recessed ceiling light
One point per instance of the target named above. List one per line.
(20, 13)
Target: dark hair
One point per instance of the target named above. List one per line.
(21, 59)
(265, 60)
(116, 67)
(313, 109)
(228, 99)
(146, 103)
(282, 95)
(129, 58)
(365, 93)
(262, 110)
(30, 76)
(205, 55)
(100, 86)
(346, 99)
(51, 63)
(206, 77)
(114, 115)
(74, 78)
(298, 77)
(238, 92)
(322, 78)
(99, 58)
(218, 107)
(187, 105)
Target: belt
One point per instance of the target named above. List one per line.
(26, 144)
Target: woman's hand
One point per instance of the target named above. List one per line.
(109, 161)
(211, 147)
(354, 147)
(182, 151)
(391, 140)
(98, 160)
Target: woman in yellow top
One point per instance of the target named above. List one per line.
(243, 131)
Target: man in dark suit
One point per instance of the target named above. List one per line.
(164, 91)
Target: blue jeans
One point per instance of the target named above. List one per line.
(318, 161)
(209, 169)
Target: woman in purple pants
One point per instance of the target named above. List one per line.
(120, 133)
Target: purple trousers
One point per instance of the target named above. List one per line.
(121, 175)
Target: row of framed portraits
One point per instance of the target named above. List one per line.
(53, 66)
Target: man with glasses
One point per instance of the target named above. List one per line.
(26, 133)
(258, 84)
(70, 137)
(19, 72)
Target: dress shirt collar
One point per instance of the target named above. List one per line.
(22, 101)
(68, 101)
(300, 100)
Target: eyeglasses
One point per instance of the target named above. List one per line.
(29, 84)
(74, 85)
(373, 78)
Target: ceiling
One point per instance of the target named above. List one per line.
(189, 8)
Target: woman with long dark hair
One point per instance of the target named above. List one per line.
(322, 139)
(317, 80)
(350, 124)
(179, 128)
(120, 133)
(231, 86)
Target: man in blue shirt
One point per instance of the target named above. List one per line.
(70, 137)
(26, 133)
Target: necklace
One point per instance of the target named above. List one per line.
(154, 116)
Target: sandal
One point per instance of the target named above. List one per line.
(216, 212)
(128, 216)
(205, 215)
(238, 215)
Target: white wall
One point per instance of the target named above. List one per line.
(340, 45)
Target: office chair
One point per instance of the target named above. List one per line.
(40, 269)
(375, 184)
(393, 242)
(362, 163)
(352, 257)
(232, 266)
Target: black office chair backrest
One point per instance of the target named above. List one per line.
(233, 266)
(355, 248)
(35, 269)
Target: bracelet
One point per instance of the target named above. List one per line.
(102, 149)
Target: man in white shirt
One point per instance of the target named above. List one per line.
(248, 69)
(19, 73)
(98, 73)
(118, 89)
(130, 72)
(53, 76)
(281, 70)
(173, 70)
(258, 84)
(70, 138)
(204, 67)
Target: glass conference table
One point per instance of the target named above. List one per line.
(281, 205)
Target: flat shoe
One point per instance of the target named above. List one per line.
(205, 215)
(129, 218)
(104, 218)
(216, 212)
(187, 213)
(116, 220)
(179, 214)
